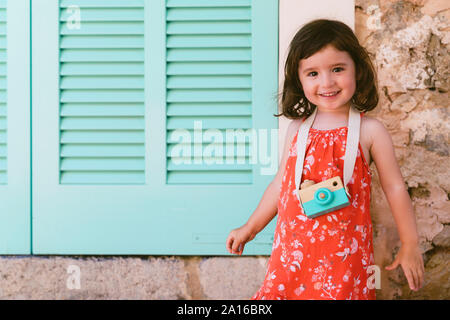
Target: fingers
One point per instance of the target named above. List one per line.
(393, 265)
(413, 269)
(233, 245)
(421, 276)
(229, 243)
(238, 247)
(421, 273)
(415, 276)
(241, 248)
(416, 279)
(411, 277)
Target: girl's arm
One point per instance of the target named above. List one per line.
(267, 207)
(392, 183)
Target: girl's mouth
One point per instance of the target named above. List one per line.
(330, 95)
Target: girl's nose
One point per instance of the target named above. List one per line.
(327, 80)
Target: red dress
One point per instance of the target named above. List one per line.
(326, 257)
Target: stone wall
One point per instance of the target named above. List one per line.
(168, 278)
(409, 44)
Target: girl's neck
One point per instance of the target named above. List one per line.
(341, 112)
(330, 119)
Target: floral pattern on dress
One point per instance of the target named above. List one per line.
(325, 257)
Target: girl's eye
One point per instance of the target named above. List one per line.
(315, 73)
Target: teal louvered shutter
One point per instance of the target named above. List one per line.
(101, 92)
(209, 87)
(14, 127)
(131, 106)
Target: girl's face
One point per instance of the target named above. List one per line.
(328, 72)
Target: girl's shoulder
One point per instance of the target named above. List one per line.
(370, 128)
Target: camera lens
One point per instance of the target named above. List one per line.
(323, 196)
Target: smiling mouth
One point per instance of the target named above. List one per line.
(330, 94)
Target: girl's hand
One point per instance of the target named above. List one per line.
(238, 238)
(410, 258)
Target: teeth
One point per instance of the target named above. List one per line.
(329, 94)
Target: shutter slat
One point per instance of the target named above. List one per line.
(209, 67)
(181, 166)
(173, 135)
(212, 95)
(105, 14)
(104, 137)
(232, 122)
(208, 109)
(100, 150)
(186, 82)
(112, 177)
(212, 41)
(104, 28)
(177, 150)
(207, 3)
(86, 42)
(102, 96)
(102, 68)
(211, 14)
(208, 27)
(209, 54)
(102, 55)
(101, 82)
(88, 110)
(103, 3)
(102, 164)
(101, 123)
(102, 93)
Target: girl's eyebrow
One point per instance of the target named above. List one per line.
(333, 65)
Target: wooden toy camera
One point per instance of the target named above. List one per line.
(317, 199)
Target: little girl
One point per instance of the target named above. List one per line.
(330, 256)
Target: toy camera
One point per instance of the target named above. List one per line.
(317, 199)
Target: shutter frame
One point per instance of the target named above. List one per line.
(150, 218)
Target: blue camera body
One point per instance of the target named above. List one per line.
(323, 197)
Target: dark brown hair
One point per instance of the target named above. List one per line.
(311, 38)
